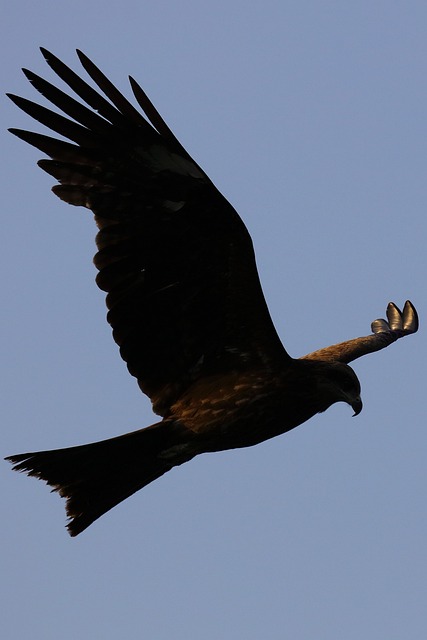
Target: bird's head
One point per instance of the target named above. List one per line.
(337, 382)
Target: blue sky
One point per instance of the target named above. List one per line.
(310, 117)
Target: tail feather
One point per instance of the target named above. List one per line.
(95, 477)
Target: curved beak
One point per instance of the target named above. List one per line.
(356, 405)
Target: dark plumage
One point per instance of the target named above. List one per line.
(183, 296)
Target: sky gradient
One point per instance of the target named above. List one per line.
(310, 117)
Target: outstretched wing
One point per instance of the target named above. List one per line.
(384, 332)
(175, 259)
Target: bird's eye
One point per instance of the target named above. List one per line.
(343, 380)
(346, 383)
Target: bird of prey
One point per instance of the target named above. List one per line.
(184, 300)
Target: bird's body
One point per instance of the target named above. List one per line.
(184, 301)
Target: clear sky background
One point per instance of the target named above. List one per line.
(310, 117)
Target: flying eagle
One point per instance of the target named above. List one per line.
(184, 300)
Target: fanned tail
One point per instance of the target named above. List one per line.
(93, 478)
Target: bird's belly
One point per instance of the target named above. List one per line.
(241, 411)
